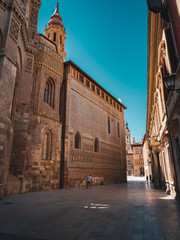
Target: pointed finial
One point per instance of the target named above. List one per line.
(57, 7)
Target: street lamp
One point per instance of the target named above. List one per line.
(169, 82)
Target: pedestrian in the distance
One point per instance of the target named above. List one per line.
(150, 177)
(89, 178)
(147, 178)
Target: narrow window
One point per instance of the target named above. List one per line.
(48, 35)
(54, 37)
(81, 78)
(87, 83)
(77, 140)
(110, 101)
(98, 91)
(47, 145)
(118, 130)
(96, 145)
(46, 92)
(121, 109)
(114, 104)
(102, 95)
(109, 127)
(49, 92)
(117, 107)
(93, 87)
(107, 98)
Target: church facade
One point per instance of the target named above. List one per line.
(57, 124)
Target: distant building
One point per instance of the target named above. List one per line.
(129, 152)
(138, 160)
(134, 155)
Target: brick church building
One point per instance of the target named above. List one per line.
(57, 124)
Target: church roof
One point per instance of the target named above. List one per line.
(56, 19)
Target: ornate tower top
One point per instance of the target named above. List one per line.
(56, 19)
(55, 32)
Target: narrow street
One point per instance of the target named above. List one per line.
(123, 211)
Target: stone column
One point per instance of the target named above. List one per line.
(156, 169)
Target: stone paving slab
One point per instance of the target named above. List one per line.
(131, 211)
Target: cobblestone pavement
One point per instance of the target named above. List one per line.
(132, 211)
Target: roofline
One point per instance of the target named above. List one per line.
(90, 78)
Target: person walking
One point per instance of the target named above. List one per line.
(89, 178)
(147, 178)
(150, 177)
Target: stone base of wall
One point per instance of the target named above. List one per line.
(24, 184)
(81, 182)
(13, 185)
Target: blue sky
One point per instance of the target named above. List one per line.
(108, 40)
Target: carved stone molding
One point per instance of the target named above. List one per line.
(29, 63)
(34, 16)
(37, 2)
(14, 29)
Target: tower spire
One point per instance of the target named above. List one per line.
(56, 19)
(57, 7)
(55, 31)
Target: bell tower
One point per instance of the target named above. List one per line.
(55, 31)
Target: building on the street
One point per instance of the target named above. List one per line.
(57, 124)
(163, 115)
(129, 152)
(138, 160)
(134, 155)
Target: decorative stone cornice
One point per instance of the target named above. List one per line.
(48, 67)
(18, 10)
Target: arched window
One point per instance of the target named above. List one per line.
(49, 92)
(47, 145)
(78, 140)
(96, 145)
(109, 127)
